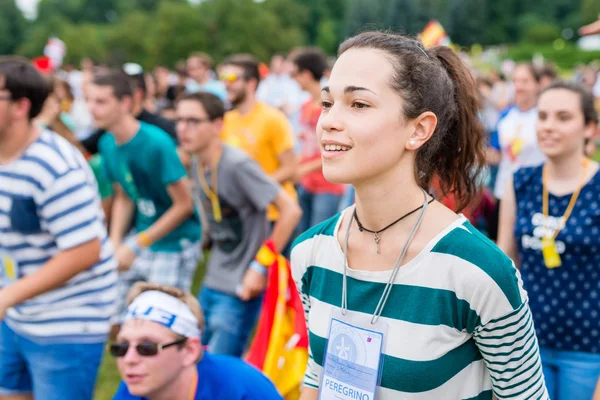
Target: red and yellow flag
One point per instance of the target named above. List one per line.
(280, 347)
(434, 34)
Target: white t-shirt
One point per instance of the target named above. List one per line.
(519, 126)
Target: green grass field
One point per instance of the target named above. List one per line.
(108, 378)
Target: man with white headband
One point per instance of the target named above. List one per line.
(160, 357)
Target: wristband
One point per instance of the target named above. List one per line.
(255, 265)
(134, 246)
(266, 255)
(144, 239)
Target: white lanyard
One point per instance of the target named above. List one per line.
(389, 284)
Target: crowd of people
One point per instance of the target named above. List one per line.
(444, 224)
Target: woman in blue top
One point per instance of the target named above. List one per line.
(550, 223)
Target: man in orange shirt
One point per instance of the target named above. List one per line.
(260, 130)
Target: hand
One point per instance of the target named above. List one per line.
(125, 257)
(253, 284)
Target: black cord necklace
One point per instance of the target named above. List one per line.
(376, 233)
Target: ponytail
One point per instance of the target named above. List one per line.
(462, 161)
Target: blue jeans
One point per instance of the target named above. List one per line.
(570, 374)
(229, 321)
(48, 371)
(316, 208)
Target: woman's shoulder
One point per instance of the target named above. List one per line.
(481, 268)
(325, 230)
(312, 246)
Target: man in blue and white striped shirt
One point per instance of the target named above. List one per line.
(57, 270)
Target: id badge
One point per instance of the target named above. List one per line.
(8, 268)
(353, 358)
(551, 256)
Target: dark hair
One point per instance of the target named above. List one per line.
(248, 63)
(436, 80)
(120, 82)
(212, 104)
(586, 97)
(547, 70)
(535, 73)
(312, 60)
(23, 81)
(138, 81)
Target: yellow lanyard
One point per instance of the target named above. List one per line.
(549, 251)
(194, 387)
(573, 200)
(212, 193)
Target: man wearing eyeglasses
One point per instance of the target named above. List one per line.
(160, 357)
(149, 181)
(57, 269)
(262, 131)
(234, 193)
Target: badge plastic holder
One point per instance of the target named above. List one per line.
(354, 327)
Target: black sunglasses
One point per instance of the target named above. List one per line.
(146, 349)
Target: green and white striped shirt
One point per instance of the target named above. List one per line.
(459, 325)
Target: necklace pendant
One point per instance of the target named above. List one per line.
(377, 240)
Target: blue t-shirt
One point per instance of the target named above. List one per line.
(564, 301)
(213, 86)
(144, 167)
(223, 377)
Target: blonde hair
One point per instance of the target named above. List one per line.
(185, 297)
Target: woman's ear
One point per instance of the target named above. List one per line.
(425, 125)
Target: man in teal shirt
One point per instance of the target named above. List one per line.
(149, 181)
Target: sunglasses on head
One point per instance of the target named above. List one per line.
(145, 349)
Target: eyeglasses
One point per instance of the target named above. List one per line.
(191, 121)
(145, 349)
(231, 78)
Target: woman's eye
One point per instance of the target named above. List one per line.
(326, 104)
(358, 105)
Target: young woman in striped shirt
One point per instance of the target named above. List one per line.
(445, 305)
